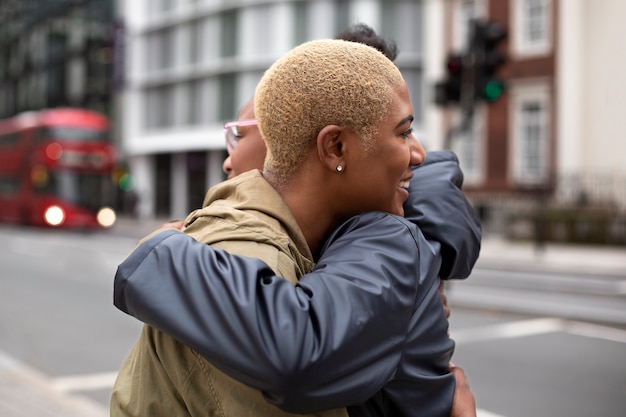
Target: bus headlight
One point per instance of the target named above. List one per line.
(54, 216)
(106, 217)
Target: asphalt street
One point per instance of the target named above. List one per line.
(63, 341)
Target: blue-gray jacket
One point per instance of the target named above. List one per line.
(359, 331)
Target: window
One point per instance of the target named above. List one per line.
(166, 40)
(402, 22)
(8, 140)
(531, 125)
(163, 189)
(342, 18)
(208, 28)
(57, 46)
(9, 186)
(254, 38)
(301, 23)
(82, 189)
(533, 26)
(160, 50)
(72, 134)
(159, 107)
(194, 103)
(195, 36)
(157, 7)
(531, 144)
(227, 95)
(56, 87)
(229, 34)
(196, 179)
(151, 52)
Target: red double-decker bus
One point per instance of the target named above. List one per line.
(55, 169)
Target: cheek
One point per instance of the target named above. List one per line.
(259, 152)
(395, 159)
(248, 156)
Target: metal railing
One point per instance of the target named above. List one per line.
(583, 209)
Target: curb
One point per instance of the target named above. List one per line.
(26, 392)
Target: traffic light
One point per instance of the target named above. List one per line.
(487, 58)
(122, 178)
(449, 90)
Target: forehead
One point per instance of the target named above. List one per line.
(401, 106)
(247, 111)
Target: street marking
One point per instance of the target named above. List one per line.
(596, 331)
(8, 362)
(88, 382)
(538, 326)
(508, 330)
(485, 413)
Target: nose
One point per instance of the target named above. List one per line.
(418, 153)
(227, 166)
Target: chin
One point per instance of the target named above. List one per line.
(398, 211)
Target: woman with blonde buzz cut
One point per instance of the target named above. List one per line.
(336, 118)
(293, 101)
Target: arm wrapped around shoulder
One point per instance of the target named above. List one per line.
(439, 208)
(297, 344)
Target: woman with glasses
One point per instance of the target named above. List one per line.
(375, 166)
(244, 135)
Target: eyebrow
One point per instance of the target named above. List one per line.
(406, 119)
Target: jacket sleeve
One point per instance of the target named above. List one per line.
(333, 339)
(439, 208)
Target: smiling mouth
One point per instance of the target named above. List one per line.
(405, 184)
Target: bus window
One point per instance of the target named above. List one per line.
(9, 186)
(8, 140)
(91, 191)
(71, 134)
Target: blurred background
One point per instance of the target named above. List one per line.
(525, 91)
(111, 117)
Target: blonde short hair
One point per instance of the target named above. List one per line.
(321, 83)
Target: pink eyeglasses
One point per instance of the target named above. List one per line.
(231, 132)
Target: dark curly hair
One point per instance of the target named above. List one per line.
(364, 34)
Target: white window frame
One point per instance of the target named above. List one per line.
(522, 45)
(522, 96)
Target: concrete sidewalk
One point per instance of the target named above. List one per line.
(577, 259)
(25, 392)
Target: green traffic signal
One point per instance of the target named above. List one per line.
(486, 37)
(125, 182)
(492, 90)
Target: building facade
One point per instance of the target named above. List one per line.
(551, 147)
(191, 64)
(56, 53)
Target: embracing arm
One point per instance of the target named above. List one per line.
(439, 208)
(297, 344)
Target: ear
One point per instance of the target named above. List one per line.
(330, 145)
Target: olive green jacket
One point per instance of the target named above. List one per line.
(162, 377)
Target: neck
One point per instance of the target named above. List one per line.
(304, 197)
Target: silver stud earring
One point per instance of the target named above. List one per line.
(339, 168)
